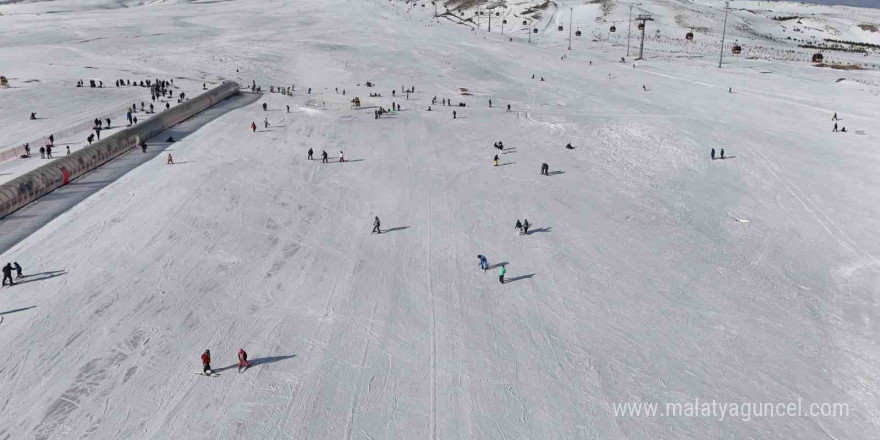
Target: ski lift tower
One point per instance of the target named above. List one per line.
(723, 33)
(643, 18)
(629, 26)
(491, 10)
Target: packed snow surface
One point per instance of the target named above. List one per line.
(651, 272)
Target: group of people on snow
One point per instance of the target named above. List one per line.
(7, 273)
(835, 130)
(484, 264)
(712, 154)
(243, 363)
(324, 156)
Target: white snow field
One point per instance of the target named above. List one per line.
(651, 273)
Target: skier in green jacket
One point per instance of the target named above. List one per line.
(501, 271)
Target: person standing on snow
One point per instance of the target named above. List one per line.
(722, 153)
(341, 157)
(265, 122)
(508, 107)
(376, 227)
(484, 263)
(7, 274)
(253, 127)
(834, 118)
(545, 169)
(501, 271)
(310, 154)
(835, 128)
(324, 157)
(518, 226)
(206, 362)
(242, 360)
(495, 160)
(526, 226)
(170, 160)
(713, 154)
(17, 268)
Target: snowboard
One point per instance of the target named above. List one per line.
(211, 374)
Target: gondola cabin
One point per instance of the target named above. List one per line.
(559, 29)
(577, 33)
(613, 28)
(525, 22)
(689, 36)
(641, 26)
(736, 49)
(817, 57)
(535, 30)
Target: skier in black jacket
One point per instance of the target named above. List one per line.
(7, 274)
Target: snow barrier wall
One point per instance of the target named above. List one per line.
(29, 187)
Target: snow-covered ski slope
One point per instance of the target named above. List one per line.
(652, 274)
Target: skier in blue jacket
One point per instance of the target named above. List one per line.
(484, 263)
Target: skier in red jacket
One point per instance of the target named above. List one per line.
(242, 360)
(206, 362)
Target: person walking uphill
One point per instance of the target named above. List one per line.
(310, 154)
(501, 271)
(17, 268)
(7, 274)
(376, 227)
(253, 127)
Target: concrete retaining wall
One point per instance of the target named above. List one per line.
(31, 186)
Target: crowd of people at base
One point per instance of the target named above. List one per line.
(7, 273)
(159, 89)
